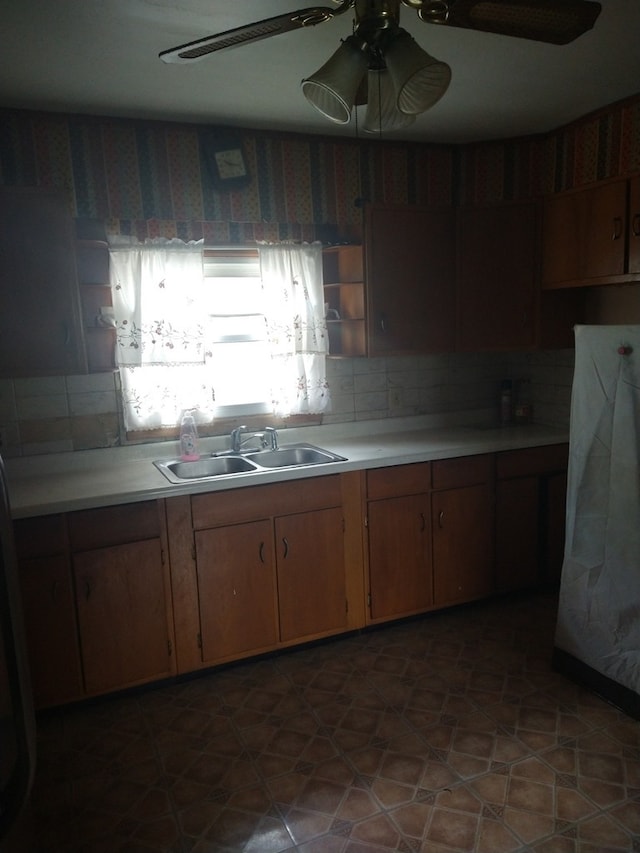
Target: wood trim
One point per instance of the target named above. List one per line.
(353, 490)
(184, 584)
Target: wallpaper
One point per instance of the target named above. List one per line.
(152, 178)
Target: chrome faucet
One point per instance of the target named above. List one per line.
(268, 437)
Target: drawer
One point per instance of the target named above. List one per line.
(462, 471)
(532, 461)
(256, 502)
(398, 480)
(114, 525)
(44, 536)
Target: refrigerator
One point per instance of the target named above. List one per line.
(597, 638)
(17, 726)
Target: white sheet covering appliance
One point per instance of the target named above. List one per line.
(597, 638)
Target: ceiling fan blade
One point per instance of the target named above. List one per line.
(194, 50)
(551, 21)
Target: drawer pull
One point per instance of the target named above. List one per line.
(441, 519)
(261, 552)
(286, 547)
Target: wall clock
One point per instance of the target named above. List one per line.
(228, 164)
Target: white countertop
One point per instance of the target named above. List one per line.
(61, 482)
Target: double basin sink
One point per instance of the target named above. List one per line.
(226, 463)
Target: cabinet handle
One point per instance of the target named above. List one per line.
(617, 228)
(66, 333)
(286, 547)
(261, 552)
(441, 518)
(635, 225)
(383, 325)
(423, 523)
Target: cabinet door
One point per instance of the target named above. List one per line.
(517, 533)
(399, 556)
(634, 225)
(311, 573)
(51, 630)
(561, 239)
(497, 277)
(236, 585)
(40, 326)
(410, 273)
(462, 521)
(122, 612)
(603, 243)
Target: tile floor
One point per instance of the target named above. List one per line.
(449, 733)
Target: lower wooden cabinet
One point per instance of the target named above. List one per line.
(275, 577)
(399, 541)
(462, 521)
(96, 599)
(122, 615)
(237, 589)
(50, 625)
(311, 574)
(125, 595)
(48, 601)
(517, 533)
(531, 487)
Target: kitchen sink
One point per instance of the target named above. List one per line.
(292, 456)
(178, 471)
(212, 467)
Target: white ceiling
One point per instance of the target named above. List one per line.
(101, 57)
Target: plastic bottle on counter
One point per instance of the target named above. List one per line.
(506, 402)
(188, 438)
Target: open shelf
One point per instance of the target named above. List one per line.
(345, 300)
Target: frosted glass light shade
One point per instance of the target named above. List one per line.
(332, 89)
(382, 113)
(419, 79)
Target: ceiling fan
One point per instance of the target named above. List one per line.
(381, 65)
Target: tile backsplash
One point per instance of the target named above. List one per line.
(66, 413)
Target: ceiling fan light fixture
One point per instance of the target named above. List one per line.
(419, 79)
(332, 89)
(382, 112)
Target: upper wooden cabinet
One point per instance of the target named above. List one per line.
(592, 236)
(40, 317)
(634, 226)
(497, 288)
(410, 279)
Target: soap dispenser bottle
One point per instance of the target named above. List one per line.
(188, 438)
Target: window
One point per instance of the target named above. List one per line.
(227, 332)
(236, 344)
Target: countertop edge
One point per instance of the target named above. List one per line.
(44, 489)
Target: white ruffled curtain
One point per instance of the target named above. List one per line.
(296, 327)
(157, 289)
